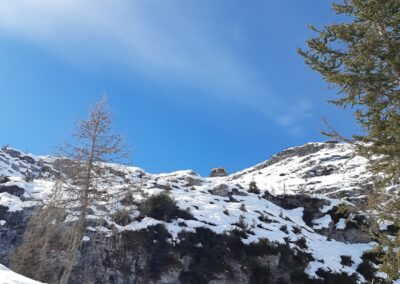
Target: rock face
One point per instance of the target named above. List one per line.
(146, 256)
(218, 172)
(11, 231)
(211, 230)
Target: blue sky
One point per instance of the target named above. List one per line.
(193, 84)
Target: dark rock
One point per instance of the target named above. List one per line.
(12, 189)
(12, 232)
(166, 187)
(238, 192)
(348, 235)
(4, 179)
(319, 171)
(311, 205)
(13, 153)
(28, 159)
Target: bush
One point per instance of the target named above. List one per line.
(260, 274)
(122, 217)
(335, 278)
(242, 223)
(253, 188)
(209, 259)
(151, 242)
(367, 269)
(128, 199)
(296, 230)
(346, 260)
(262, 248)
(284, 229)
(301, 243)
(163, 207)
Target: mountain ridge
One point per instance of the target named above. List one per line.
(311, 225)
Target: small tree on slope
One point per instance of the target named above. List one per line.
(361, 57)
(81, 164)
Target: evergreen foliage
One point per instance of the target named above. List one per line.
(361, 58)
(162, 207)
(253, 188)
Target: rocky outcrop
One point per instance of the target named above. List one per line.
(146, 256)
(12, 189)
(221, 190)
(218, 172)
(12, 228)
(312, 206)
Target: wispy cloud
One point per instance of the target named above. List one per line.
(293, 116)
(159, 38)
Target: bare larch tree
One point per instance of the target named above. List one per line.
(77, 188)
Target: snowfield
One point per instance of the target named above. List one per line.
(9, 277)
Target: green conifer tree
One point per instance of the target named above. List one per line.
(361, 57)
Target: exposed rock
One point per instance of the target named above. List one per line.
(319, 171)
(12, 231)
(28, 159)
(222, 190)
(193, 181)
(348, 235)
(12, 189)
(218, 172)
(238, 192)
(12, 152)
(163, 186)
(312, 206)
(4, 179)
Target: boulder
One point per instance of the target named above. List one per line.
(218, 172)
(221, 190)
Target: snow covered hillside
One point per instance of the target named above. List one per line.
(305, 227)
(9, 277)
(331, 169)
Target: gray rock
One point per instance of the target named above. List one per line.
(193, 181)
(221, 190)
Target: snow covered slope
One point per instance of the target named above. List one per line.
(331, 169)
(9, 277)
(308, 225)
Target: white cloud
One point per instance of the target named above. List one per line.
(293, 117)
(164, 39)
